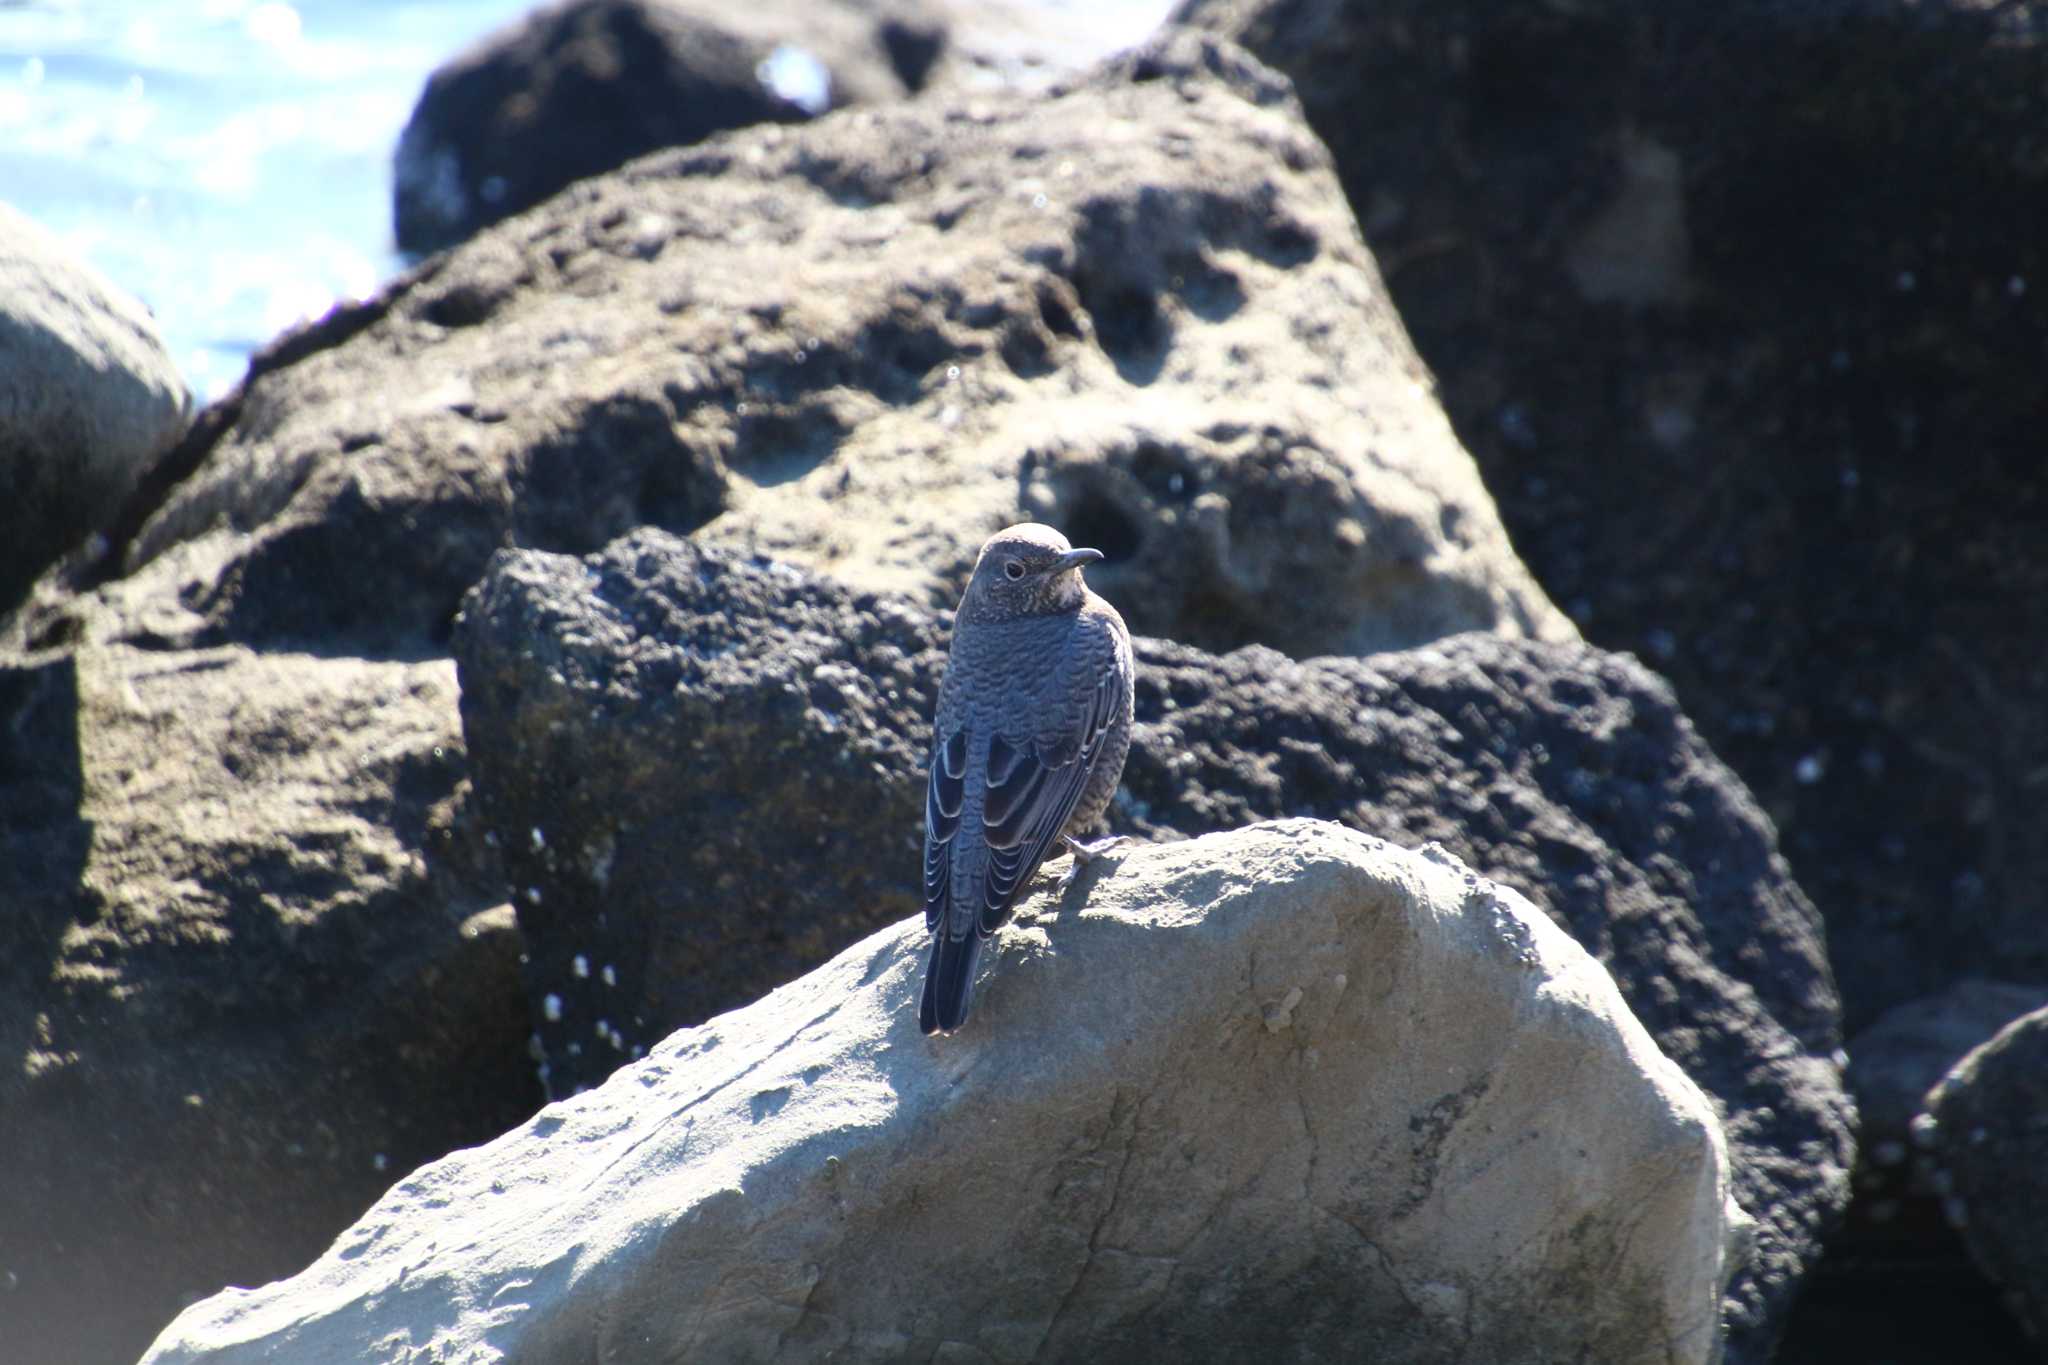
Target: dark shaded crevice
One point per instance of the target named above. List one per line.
(1210, 292)
(1165, 473)
(913, 51)
(1026, 352)
(1097, 521)
(1129, 326)
(1055, 310)
(593, 481)
(1287, 244)
(776, 446)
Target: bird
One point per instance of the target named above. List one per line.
(1028, 743)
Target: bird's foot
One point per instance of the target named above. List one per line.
(1084, 854)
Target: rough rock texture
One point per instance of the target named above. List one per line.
(1740, 308)
(1989, 1119)
(632, 700)
(245, 981)
(89, 398)
(1138, 310)
(1283, 1092)
(693, 808)
(582, 87)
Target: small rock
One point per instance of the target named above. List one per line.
(1992, 1143)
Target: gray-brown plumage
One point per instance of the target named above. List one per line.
(1033, 725)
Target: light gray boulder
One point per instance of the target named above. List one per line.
(1284, 1088)
(88, 399)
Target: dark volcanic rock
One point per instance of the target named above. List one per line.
(748, 739)
(1137, 308)
(585, 86)
(703, 774)
(246, 977)
(1990, 1134)
(1739, 307)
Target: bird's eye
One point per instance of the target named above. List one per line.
(1013, 571)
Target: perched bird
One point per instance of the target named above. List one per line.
(1033, 725)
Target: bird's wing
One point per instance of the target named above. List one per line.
(942, 821)
(1029, 801)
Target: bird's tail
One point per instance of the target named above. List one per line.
(949, 981)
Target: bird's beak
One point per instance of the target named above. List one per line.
(1074, 559)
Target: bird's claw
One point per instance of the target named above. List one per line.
(1087, 852)
(1084, 854)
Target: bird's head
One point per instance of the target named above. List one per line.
(1026, 570)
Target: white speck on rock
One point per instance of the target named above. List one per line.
(1280, 1016)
